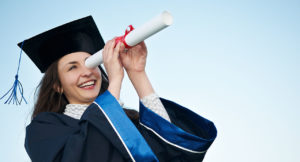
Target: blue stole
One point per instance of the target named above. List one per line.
(133, 141)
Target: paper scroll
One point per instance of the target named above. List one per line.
(137, 35)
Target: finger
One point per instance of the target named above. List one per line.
(103, 55)
(111, 47)
(144, 47)
(141, 47)
(107, 44)
(109, 50)
(105, 50)
(123, 51)
(117, 51)
(143, 44)
(122, 48)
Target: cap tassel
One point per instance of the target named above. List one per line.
(13, 97)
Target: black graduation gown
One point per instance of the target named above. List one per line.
(104, 133)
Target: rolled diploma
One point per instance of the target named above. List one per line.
(137, 35)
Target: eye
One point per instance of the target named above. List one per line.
(72, 67)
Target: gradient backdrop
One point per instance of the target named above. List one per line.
(234, 62)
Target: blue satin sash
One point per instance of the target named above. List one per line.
(133, 141)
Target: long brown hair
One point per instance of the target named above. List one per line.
(50, 100)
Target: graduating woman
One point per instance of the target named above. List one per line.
(78, 117)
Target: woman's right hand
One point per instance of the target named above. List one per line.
(113, 66)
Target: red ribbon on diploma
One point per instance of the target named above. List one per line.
(122, 38)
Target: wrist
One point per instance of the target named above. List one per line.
(132, 73)
(114, 88)
(117, 79)
(141, 83)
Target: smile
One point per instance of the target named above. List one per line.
(88, 85)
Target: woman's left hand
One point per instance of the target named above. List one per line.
(134, 62)
(113, 66)
(134, 59)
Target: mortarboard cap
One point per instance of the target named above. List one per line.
(79, 35)
(45, 48)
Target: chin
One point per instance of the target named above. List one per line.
(90, 96)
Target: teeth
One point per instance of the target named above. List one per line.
(87, 84)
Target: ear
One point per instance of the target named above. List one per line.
(58, 89)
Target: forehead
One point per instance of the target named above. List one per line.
(76, 56)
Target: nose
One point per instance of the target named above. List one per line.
(86, 72)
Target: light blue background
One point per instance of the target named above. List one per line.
(234, 62)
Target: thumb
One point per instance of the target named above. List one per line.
(122, 47)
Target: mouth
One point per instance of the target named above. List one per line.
(88, 84)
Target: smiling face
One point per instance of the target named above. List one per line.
(80, 84)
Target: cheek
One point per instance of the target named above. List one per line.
(97, 73)
(68, 81)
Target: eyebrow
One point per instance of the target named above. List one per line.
(72, 62)
(75, 62)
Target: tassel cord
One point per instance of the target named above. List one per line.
(13, 97)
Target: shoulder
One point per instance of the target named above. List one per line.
(47, 124)
(52, 118)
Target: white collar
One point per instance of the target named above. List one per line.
(75, 110)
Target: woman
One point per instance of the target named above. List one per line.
(77, 116)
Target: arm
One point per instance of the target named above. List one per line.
(134, 61)
(113, 67)
(187, 138)
(141, 83)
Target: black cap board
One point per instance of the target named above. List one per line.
(81, 35)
